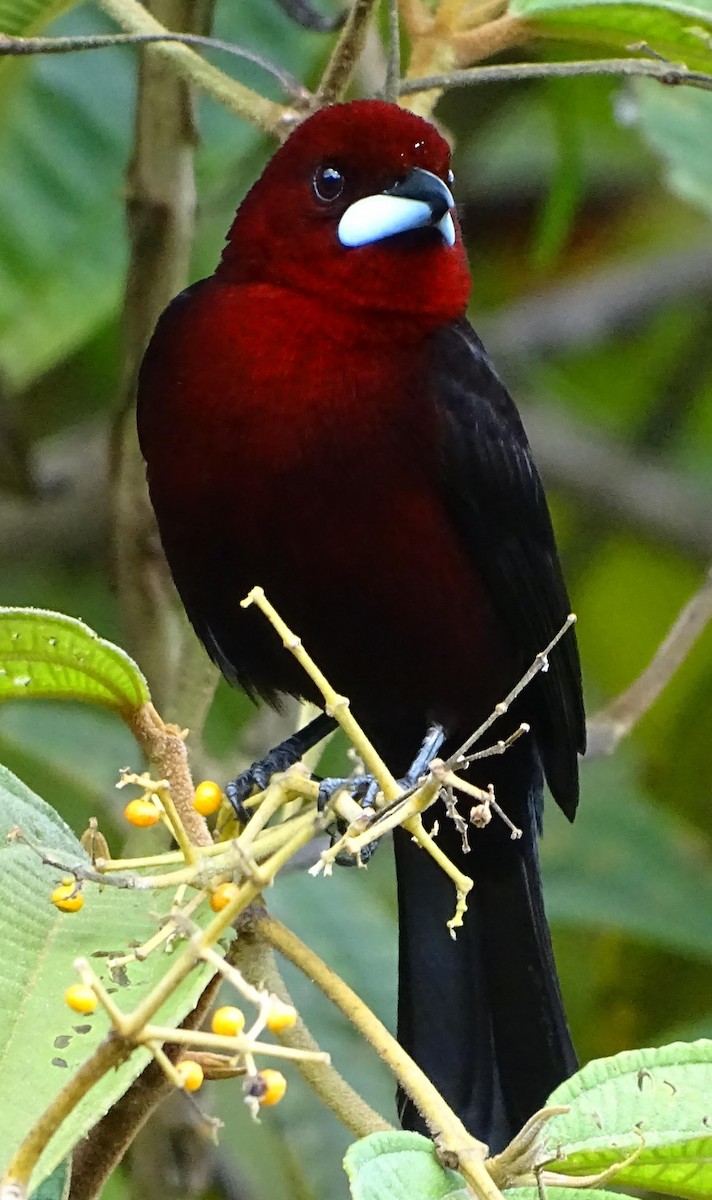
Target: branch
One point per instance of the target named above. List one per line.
(190, 67)
(96, 1156)
(255, 959)
(657, 501)
(161, 216)
(164, 746)
(667, 73)
(393, 68)
(600, 302)
(340, 67)
(611, 724)
(18, 46)
(452, 1137)
(338, 707)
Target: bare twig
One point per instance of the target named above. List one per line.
(667, 73)
(393, 73)
(540, 663)
(608, 727)
(17, 46)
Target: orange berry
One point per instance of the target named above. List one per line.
(81, 998)
(268, 1087)
(208, 797)
(228, 1021)
(222, 896)
(67, 897)
(281, 1016)
(191, 1074)
(142, 813)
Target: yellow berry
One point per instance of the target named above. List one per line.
(268, 1087)
(67, 897)
(228, 1021)
(281, 1016)
(222, 896)
(208, 797)
(142, 813)
(191, 1074)
(81, 998)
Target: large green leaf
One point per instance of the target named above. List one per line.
(43, 1042)
(655, 1102)
(678, 31)
(46, 655)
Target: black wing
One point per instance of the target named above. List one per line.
(498, 502)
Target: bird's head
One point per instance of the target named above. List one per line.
(356, 207)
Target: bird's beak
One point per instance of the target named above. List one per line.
(418, 201)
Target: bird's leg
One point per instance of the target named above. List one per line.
(279, 758)
(430, 746)
(364, 789)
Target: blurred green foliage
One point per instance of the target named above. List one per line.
(560, 183)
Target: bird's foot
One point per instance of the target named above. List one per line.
(364, 789)
(279, 758)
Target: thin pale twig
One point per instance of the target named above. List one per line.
(540, 663)
(16, 46)
(608, 727)
(393, 72)
(667, 73)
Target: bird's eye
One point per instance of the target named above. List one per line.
(328, 184)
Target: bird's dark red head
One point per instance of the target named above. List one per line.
(356, 207)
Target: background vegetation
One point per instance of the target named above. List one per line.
(585, 204)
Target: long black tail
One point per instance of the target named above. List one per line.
(483, 1015)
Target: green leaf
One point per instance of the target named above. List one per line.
(44, 1042)
(657, 1102)
(677, 122)
(50, 656)
(682, 32)
(399, 1166)
(56, 1186)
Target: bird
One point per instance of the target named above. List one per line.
(319, 418)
